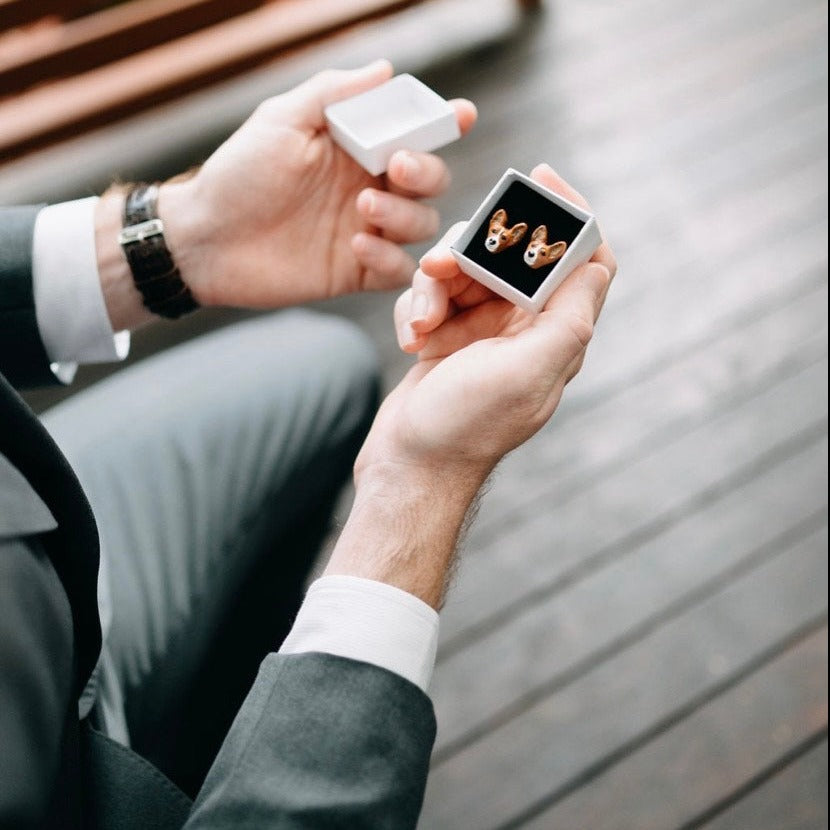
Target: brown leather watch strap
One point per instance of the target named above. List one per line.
(154, 272)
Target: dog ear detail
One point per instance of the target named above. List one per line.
(557, 249)
(499, 236)
(517, 232)
(538, 253)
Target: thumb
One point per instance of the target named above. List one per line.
(304, 105)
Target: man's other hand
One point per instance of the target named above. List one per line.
(280, 214)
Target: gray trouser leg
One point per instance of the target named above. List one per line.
(212, 469)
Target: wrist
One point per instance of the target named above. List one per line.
(404, 528)
(187, 234)
(122, 299)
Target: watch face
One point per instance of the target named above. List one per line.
(523, 238)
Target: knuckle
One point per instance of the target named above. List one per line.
(402, 303)
(581, 328)
(432, 222)
(442, 178)
(603, 272)
(393, 261)
(266, 107)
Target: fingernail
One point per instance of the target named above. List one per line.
(360, 243)
(420, 306)
(595, 277)
(408, 337)
(368, 201)
(377, 64)
(543, 167)
(410, 165)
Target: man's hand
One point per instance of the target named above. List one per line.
(489, 375)
(280, 214)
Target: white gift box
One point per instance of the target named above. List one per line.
(401, 114)
(506, 271)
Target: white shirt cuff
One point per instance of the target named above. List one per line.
(69, 304)
(368, 621)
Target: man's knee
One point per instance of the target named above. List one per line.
(335, 361)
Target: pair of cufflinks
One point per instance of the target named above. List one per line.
(538, 252)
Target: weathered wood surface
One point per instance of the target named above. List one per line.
(140, 55)
(635, 639)
(637, 636)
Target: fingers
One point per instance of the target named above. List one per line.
(437, 281)
(485, 320)
(419, 175)
(546, 175)
(433, 301)
(386, 264)
(409, 340)
(304, 106)
(605, 256)
(438, 262)
(424, 175)
(425, 305)
(583, 291)
(400, 219)
(439, 289)
(466, 113)
(566, 324)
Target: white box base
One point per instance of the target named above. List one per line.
(401, 114)
(579, 250)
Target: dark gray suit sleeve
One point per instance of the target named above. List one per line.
(23, 359)
(321, 742)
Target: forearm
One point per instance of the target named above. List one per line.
(404, 528)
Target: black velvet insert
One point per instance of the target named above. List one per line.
(523, 204)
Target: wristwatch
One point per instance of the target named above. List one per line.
(154, 272)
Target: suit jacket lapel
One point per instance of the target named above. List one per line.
(72, 545)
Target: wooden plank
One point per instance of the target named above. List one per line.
(616, 593)
(20, 12)
(710, 753)
(642, 111)
(583, 727)
(729, 367)
(112, 34)
(159, 74)
(795, 798)
(509, 570)
(652, 46)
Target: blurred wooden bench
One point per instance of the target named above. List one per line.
(68, 66)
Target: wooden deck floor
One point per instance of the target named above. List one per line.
(638, 634)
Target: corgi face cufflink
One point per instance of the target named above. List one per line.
(539, 253)
(499, 236)
(529, 272)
